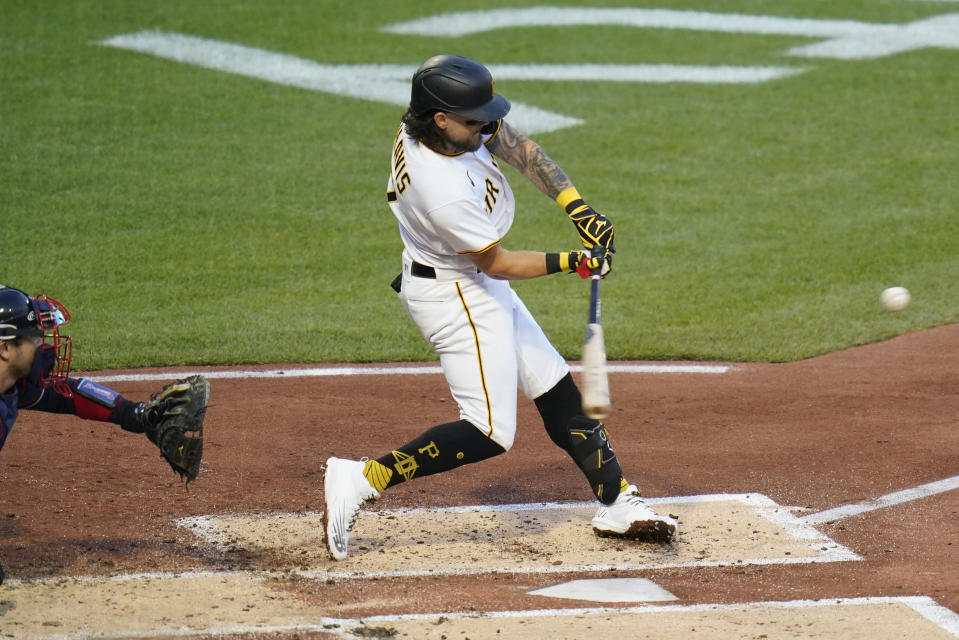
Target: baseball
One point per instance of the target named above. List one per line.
(894, 298)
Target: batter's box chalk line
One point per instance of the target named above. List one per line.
(549, 537)
(917, 614)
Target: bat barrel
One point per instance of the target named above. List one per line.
(596, 402)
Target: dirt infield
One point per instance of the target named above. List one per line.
(86, 500)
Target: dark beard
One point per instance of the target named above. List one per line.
(461, 147)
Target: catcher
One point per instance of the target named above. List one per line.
(34, 374)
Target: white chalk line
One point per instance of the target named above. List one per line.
(925, 606)
(888, 500)
(401, 370)
(827, 557)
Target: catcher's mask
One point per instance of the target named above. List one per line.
(22, 316)
(455, 84)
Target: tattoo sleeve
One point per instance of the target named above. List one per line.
(529, 159)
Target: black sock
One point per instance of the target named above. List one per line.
(558, 407)
(562, 413)
(444, 447)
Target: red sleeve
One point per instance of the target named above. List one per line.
(89, 401)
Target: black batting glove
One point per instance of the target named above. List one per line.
(593, 227)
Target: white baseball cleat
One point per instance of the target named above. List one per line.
(345, 489)
(629, 517)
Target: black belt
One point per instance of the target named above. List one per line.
(416, 269)
(422, 271)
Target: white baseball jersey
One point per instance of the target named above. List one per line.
(488, 343)
(448, 205)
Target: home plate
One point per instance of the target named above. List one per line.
(522, 538)
(608, 590)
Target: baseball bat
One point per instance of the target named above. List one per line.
(596, 403)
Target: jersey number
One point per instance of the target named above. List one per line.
(491, 192)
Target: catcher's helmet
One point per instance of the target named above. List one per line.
(455, 84)
(22, 316)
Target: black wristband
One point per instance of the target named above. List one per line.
(552, 263)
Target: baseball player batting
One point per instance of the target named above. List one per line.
(453, 207)
(35, 375)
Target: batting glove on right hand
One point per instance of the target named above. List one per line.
(599, 263)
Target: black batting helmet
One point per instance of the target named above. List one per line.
(18, 315)
(455, 84)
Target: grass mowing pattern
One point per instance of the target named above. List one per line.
(187, 216)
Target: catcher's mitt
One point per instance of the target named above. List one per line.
(177, 413)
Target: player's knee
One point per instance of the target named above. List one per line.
(470, 442)
(503, 437)
(558, 407)
(589, 446)
(502, 431)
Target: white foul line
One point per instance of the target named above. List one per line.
(313, 372)
(888, 500)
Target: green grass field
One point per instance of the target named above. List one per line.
(190, 216)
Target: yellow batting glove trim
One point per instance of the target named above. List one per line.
(568, 195)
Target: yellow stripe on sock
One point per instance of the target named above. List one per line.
(377, 475)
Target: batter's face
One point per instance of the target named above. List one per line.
(461, 134)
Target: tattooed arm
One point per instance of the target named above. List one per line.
(529, 159)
